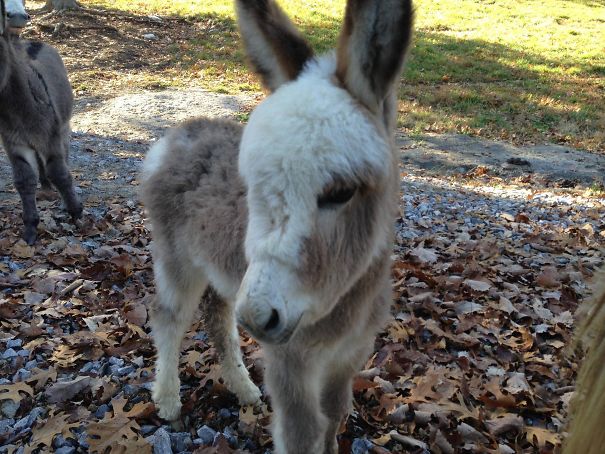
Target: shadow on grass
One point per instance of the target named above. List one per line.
(450, 84)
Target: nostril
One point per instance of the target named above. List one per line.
(273, 321)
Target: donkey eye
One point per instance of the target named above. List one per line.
(335, 196)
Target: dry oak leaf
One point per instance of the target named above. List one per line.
(41, 377)
(497, 398)
(65, 356)
(44, 435)
(63, 391)
(119, 434)
(539, 437)
(12, 392)
(138, 410)
(22, 250)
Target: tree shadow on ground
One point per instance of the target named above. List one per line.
(450, 84)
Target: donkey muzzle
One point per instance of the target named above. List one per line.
(265, 322)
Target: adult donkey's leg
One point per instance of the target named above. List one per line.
(58, 173)
(25, 177)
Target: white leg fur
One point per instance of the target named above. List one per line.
(233, 369)
(170, 318)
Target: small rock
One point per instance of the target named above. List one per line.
(116, 361)
(59, 441)
(130, 390)
(231, 436)
(100, 413)
(206, 434)
(150, 37)
(14, 343)
(161, 442)
(83, 440)
(6, 425)
(147, 429)
(125, 370)
(224, 413)
(180, 441)
(31, 364)
(65, 450)
(361, 446)
(9, 353)
(23, 353)
(21, 375)
(9, 408)
(87, 368)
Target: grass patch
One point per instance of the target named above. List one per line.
(526, 71)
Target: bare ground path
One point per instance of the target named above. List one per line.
(111, 136)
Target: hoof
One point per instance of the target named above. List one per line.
(76, 212)
(30, 235)
(168, 405)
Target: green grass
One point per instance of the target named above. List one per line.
(525, 71)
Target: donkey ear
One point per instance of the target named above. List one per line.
(276, 50)
(3, 25)
(372, 48)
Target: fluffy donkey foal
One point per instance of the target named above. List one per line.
(298, 247)
(35, 108)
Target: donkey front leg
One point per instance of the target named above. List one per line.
(336, 398)
(171, 315)
(58, 173)
(293, 385)
(219, 321)
(25, 176)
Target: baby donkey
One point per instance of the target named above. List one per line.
(35, 108)
(296, 239)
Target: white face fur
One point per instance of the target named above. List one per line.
(17, 17)
(297, 141)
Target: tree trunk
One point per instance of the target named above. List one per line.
(60, 5)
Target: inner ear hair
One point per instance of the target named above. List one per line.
(276, 50)
(373, 43)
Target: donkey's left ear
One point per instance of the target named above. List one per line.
(375, 37)
(3, 25)
(275, 48)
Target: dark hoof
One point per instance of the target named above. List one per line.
(30, 235)
(76, 213)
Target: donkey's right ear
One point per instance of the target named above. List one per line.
(275, 48)
(373, 43)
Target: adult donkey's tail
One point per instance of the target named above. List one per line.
(587, 429)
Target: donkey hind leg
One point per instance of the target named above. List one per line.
(171, 315)
(25, 176)
(293, 385)
(219, 321)
(336, 398)
(58, 173)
